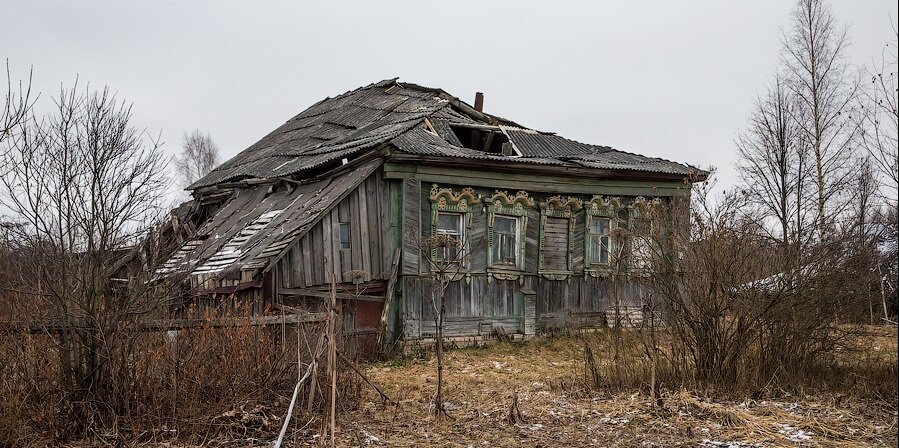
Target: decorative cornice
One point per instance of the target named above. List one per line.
(562, 207)
(501, 199)
(604, 205)
(446, 196)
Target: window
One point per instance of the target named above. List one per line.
(555, 244)
(344, 235)
(600, 247)
(449, 224)
(507, 220)
(641, 245)
(604, 216)
(556, 235)
(505, 240)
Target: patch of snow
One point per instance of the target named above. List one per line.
(730, 444)
(795, 434)
(615, 420)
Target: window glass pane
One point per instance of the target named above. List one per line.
(599, 225)
(344, 235)
(505, 236)
(504, 225)
(604, 250)
(599, 240)
(450, 223)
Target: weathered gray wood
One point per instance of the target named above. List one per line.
(555, 244)
(550, 184)
(364, 241)
(311, 292)
(335, 245)
(326, 255)
(411, 222)
(374, 225)
(532, 241)
(388, 300)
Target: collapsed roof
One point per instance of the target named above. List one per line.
(326, 151)
(416, 120)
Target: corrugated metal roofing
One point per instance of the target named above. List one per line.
(365, 118)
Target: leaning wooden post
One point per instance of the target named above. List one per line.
(332, 356)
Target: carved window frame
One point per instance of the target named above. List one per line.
(516, 206)
(564, 208)
(449, 201)
(607, 208)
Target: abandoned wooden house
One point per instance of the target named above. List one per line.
(353, 185)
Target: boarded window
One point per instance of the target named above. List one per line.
(505, 240)
(555, 244)
(599, 241)
(449, 224)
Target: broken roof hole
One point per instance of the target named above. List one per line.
(483, 138)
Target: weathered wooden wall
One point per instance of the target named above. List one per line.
(480, 303)
(395, 214)
(311, 261)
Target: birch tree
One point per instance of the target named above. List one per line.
(814, 54)
(199, 156)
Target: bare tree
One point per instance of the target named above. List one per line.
(16, 105)
(445, 257)
(814, 55)
(84, 186)
(774, 161)
(199, 156)
(880, 117)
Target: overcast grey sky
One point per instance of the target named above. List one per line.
(667, 79)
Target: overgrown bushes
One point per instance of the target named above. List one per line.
(193, 384)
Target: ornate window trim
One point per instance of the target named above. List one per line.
(558, 207)
(448, 200)
(601, 206)
(501, 203)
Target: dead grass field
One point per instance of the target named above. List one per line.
(481, 384)
(557, 410)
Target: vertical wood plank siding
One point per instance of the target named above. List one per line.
(479, 304)
(396, 214)
(315, 256)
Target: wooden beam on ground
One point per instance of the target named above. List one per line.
(310, 292)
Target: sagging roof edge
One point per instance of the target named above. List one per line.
(527, 168)
(274, 260)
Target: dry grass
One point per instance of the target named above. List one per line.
(558, 408)
(559, 411)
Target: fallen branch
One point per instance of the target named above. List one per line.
(296, 391)
(364, 378)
